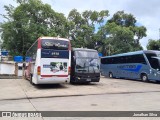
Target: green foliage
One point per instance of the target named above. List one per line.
(116, 36)
(82, 27)
(119, 33)
(153, 45)
(123, 19)
(30, 20)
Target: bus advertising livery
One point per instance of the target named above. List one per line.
(144, 65)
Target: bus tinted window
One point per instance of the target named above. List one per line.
(154, 62)
(55, 44)
(32, 52)
(139, 58)
(103, 60)
(124, 59)
(106, 60)
(88, 54)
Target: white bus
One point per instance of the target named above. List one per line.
(48, 61)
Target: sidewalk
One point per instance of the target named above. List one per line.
(10, 77)
(22, 89)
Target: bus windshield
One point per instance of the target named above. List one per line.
(154, 60)
(89, 54)
(54, 44)
(87, 65)
(87, 62)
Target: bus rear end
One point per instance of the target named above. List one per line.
(54, 61)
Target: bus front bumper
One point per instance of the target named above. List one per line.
(82, 78)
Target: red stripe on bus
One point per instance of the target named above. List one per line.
(69, 47)
(54, 75)
(39, 43)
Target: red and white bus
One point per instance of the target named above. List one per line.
(48, 61)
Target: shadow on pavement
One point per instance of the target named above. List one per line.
(84, 84)
(138, 80)
(51, 86)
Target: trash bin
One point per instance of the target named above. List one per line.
(18, 58)
(20, 69)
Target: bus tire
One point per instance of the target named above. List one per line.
(110, 75)
(144, 77)
(31, 79)
(25, 76)
(71, 82)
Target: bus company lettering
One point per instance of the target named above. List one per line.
(55, 53)
(47, 66)
(50, 44)
(133, 68)
(127, 66)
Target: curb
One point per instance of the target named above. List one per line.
(10, 77)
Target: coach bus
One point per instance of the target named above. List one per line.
(48, 61)
(144, 65)
(85, 65)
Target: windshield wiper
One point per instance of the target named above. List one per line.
(84, 67)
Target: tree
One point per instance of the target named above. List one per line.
(28, 21)
(153, 45)
(82, 27)
(32, 19)
(120, 31)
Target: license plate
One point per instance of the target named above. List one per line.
(88, 79)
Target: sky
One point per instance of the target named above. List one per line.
(146, 12)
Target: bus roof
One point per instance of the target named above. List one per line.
(57, 38)
(134, 53)
(84, 49)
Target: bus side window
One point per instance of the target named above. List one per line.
(142, 59)
(103, 60)
(139, 59)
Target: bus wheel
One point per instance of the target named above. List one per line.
(144, 78)
(31, 79)
(25, 76)
(110, 75)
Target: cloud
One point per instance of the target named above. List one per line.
(2, 9)
(143, 8)
(146, 13)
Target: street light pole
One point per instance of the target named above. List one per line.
(109, 51)
(159, 33)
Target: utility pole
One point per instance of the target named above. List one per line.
(159, 37)
(159, 33)
(109, 51)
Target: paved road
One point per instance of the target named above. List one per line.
(107, 95)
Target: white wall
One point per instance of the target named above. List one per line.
(7, 68)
